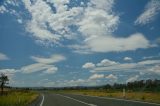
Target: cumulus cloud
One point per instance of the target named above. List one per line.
(3, 57)
(151, 10)
(96, 76)
(106, 62)
(93, 24)
(112, 77)
(127, 59)
(88, 65)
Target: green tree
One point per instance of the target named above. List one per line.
(3, 81)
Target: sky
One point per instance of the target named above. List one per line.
(57, 43)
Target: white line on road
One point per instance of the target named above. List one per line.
(77, 100)
(119, 99)
(42, 100)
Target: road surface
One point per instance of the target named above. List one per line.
(52, 99)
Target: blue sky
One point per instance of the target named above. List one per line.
(79, 42)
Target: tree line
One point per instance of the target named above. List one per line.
(141, 85)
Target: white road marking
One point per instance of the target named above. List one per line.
(77, 100)
(42, 100)
(119, 99)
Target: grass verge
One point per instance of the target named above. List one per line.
(18, 98)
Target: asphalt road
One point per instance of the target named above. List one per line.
(51, 99)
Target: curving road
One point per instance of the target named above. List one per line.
(51, 99)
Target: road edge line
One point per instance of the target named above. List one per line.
(119, 99)
(41, 104)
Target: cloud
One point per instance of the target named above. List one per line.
(3, 9)
(112, 44)
(88, 65)
(106, 62)
(49, 60)
(151, 10)
(8, 71)
(90, 27)
(127, 59)
(133, 78)
(96, 76)
(146, 66)
(155, 69)
(43, 64)
(112, 77)
(3, 57)
(51, 70)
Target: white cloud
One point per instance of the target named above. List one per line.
(20, 21)
(51, 70)
(3, 57)
(133, 78)
(148, 62)
(108, 44)
(3, 9)
(150, 11)
(111, 77)
(112, 44)
(106, 62)
(43, 64)
(93, 24)
(8, 71)
(36, 67)
(96, 76)
(49, 60)
(155, 69)
(88, 65)
(51, 26)
(146, 66)
(127, 59)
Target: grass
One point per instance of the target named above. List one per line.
(18, 98)
(141, 96)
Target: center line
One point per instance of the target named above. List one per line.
(77, 100)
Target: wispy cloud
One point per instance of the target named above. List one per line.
(150, 12)
(43, 64)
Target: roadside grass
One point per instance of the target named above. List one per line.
(18, 98)
(153, 97)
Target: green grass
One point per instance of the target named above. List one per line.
(18, 98)
(141, 96)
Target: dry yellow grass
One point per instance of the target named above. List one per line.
(17, 98)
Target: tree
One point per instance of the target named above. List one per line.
(3, 81)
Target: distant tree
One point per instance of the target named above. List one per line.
(3, 81)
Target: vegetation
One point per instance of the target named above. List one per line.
(142, 96)
(148, 90)
(18, 98)
(11, 97)
(3, 81)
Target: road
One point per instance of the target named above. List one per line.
(51, 99)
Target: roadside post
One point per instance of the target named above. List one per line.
(124, 93)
